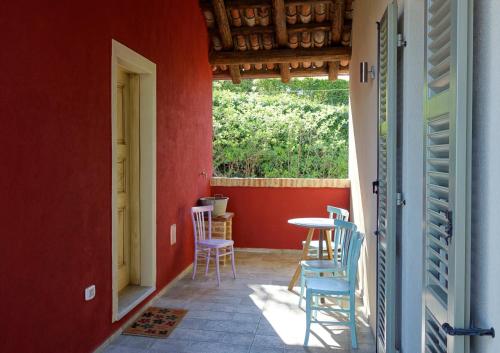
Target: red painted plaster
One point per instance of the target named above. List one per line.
(261, 214)
(55, 158)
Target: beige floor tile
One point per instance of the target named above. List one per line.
(254, 313)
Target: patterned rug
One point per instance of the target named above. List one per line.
(156, 322)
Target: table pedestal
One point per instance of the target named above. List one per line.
(305, 252)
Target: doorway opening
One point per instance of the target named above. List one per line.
(133, 137)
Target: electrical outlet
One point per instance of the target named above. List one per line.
(173, 235)
(90, 292)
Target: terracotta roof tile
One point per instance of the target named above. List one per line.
(309, 26)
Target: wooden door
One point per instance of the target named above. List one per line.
(387, 181)
(127, 179)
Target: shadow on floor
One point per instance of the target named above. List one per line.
(253, 314)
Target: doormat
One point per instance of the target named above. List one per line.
(156, 322)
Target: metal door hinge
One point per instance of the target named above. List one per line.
(472, 331)
(400, 201)
(449, 226)
(401, 40)
(375, 187)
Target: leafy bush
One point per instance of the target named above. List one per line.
(264, 128)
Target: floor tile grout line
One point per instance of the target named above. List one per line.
(255, 333)
(191, 292)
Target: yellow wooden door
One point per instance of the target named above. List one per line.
(127, 179)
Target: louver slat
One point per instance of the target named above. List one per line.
(437, 204)
(439, 46)
(435, 341)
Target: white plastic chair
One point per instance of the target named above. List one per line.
(204, 244)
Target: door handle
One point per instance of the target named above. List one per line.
(472, 331)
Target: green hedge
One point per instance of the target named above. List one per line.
(264, 128)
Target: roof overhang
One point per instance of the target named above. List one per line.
(278, 38)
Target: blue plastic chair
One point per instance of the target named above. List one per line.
(336, 287)
(338, 264)
(335, 213)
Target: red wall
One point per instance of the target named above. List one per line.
(55, 157)
(261, 213)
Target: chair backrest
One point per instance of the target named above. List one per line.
(198, 215)
(354, 253)
(342, 235)
(337, 213)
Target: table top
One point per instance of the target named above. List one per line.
(313, 222)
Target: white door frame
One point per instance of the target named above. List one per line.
(133, 62)
(412, 175)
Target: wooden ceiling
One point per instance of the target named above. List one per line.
(278, 38)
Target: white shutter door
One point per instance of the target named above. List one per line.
(387, 150)
(446, 165)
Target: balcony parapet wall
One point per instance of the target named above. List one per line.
(263, 206)
(281, 182)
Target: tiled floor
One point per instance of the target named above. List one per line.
(253, 314)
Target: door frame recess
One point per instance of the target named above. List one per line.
(133, 62)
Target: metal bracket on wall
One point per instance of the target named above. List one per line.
(401, 41)
(400, 201)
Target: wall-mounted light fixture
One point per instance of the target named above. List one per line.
(364, 73)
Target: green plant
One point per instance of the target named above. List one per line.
(264, 128)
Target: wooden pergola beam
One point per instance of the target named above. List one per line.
(251, 74)
(307, 2)
(309, 27)
(279, 16)
(333, 70)
(223, 23)
(285, 72)
(225, 34)
(338, 20)
(280, 56)
(290, 29)
(234, 71)
(246, 4)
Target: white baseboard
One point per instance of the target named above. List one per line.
(268, 251)
(147, 305)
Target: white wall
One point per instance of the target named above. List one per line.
(485, 283)
(363, 158)
(363, 141)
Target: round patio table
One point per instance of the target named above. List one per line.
(324, 225)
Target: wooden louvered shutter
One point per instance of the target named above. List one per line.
(387, 183)
(446, 165)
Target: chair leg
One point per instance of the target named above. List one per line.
(232, 262)
(302, 285)
(308, 315)
(195, 263)
(352, 319)
(217, 266)
(316, 304)
(208, 262)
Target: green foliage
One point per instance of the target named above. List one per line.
(264, 128)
